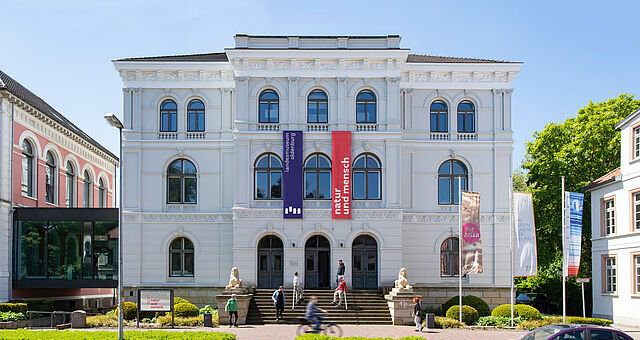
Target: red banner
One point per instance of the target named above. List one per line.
(341, 174)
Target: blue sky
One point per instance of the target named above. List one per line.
(573, 51)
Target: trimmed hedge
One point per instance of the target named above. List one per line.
(469, 314)
(186, 309)
(444, 322)
(14, 307)
(327, 337)
(129, 310)
(25, 334)
(524, 311)
(193, 321)
(42, 305)
(469, 300)
(177, 300)
(550, 320)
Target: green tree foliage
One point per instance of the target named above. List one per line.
(582, 149)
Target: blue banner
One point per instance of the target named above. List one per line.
(573, 232)
(292, 174)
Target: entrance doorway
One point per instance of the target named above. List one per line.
(270, 260)
(317, 257)
(365, 262)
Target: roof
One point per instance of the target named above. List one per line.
(9, 84)
(222, 56)
(320, 36)
(628, 118)
(608, 178)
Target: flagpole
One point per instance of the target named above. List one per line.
(564, 288)
(511, 226)
(460, 247)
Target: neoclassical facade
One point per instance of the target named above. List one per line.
(203, 165)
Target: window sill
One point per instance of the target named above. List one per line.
(51, 204)
(635, 296)
(609, 294)
(29, 197)
(185, 279)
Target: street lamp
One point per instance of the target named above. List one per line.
(116, 123)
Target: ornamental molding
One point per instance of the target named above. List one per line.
(458, 76)
(178, 75)
(178, 218)
(451, 218)
(316, 214)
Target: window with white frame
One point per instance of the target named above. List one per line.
(636, 211)
(636, 142)
(636, 263)
(610, 274)
(609, 217)
(27, 169)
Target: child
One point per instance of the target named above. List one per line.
(417, 314)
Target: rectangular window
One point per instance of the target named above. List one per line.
(636, 142)
(609, 217)
(636, 211)
(610, 275)
(636, 263)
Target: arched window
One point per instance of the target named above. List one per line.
(449, 261)
(466, 115)
(87, 189)
(27, 169)
(102, 196)
(195, 116)
(50, 178)
(182, 182)
(268, 107)
(439, 113)
(366, 107)
(367, 184)
(168, 116)
(268, 177)
(317, 177)
(71, 186)
(181, 257)
(317, 107)
(449, 174)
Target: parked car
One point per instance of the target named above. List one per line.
(575, 332)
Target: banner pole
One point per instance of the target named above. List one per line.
(584, 314)
(511, 226)
(460, 248)
(564, 288)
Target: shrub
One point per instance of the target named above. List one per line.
(177, 300)
(499, 321)
(550, 320)
(102, 321)
(186, 309)
(208, 309)
(444, 322)
(14, 307)
(129, 310)
(42, 305)
(469, 300)
(193, 321)
(25, 334)
(11, 316)
(469, 314)
(524, 311)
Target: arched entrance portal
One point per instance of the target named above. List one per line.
(317, 254)
(270, 261)
(364, 253)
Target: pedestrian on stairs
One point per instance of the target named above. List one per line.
(278, 301)
(340, 271)
(232, 308)
(297, 288)
(340, 292)
(417, 314)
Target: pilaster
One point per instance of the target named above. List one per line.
(292, 116)
(342, 103)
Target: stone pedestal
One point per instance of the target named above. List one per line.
(400, 302)
(244, 298)
(78, 319)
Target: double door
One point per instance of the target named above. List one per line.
(365, 268)
(270, 271)
(317, 272)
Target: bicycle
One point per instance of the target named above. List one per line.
(327, 328)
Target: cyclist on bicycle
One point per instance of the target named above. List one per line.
(311, 315)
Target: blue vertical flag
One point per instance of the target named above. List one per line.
(573, 232)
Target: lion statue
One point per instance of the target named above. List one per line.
(234, 279)
(402, 281)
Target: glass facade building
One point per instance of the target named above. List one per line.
(65, 248)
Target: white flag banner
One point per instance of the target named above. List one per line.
(526, 258)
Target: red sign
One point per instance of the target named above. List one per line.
(341, 174)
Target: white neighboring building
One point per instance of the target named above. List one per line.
(615, 241)
(203, 140)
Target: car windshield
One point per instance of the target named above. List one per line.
(545, 332)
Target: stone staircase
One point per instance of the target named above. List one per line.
(366, 307)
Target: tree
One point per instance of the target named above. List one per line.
(519, 181)
(582, 149)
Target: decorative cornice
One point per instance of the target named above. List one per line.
(451, 218)
(178, 218)
(317, 214)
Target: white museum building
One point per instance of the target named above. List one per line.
(205, 174)
(615, 240)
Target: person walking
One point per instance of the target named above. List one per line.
(340, 291)
(232, 308)
(312, 316)
(340, 271)
(297, 288)
(417, 314)
(278, 301)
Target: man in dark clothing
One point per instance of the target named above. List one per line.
(278, 301)
(340, 271)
